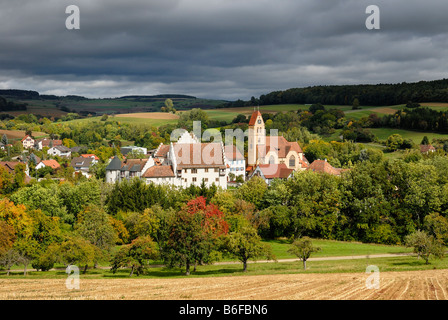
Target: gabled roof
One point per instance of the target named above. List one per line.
(158, 172)
(51, 163)
(324, 166)
(162, 151)
(62, 148)
(27, 136)
(194, 155)
(278, 145)
(253, 118)
(90, 155)
(81, 162)
(271, 171)
(133, 165)
(426, 148)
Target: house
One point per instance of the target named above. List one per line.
(40, 144)
(236, 163)
(183, 163)
(90, 155)
(324, 167)
(60, 151)
(28, 142)
(272, 149)
(83, 164)
(133, 149)
(426, 148)
(10, 166)
(48, 163)
(272, 171)
(118, 170)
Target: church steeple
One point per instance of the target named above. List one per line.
(257, 136)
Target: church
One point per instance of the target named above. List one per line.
(273, 150)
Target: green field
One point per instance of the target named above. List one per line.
(329, 248)
(416, 136)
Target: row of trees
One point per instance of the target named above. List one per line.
(367, 95)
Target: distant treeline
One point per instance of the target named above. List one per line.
(368, 95)
(422, 119)
(11, 106)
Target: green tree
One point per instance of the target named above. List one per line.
(425, 140)
(76, 251)
(303, 248)
(253, 191)
(394, 142)
(95, 226)
(135, 255)
(424, 245)
(245, 244)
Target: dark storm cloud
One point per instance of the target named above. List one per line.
(217, 48)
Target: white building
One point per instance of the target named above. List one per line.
(60, 151)
(236, 164)
(183, 163)
(28, 142)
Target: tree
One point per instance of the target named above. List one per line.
(424, 245)
(245, 244)
(355, 104)
(253, 191)
(7, 237)
(425, 140)
(76, 251)
(192, 234)
(95, 226)
(135, 255)
(303, 248)
(394, 142)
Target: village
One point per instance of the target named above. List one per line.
(182, 163)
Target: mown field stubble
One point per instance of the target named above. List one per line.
(406, 285)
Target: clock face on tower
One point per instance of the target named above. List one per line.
(259, 121)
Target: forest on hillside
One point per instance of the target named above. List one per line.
(367, 94)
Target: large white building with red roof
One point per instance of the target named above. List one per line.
(182, 163)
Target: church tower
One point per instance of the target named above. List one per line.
(256, 137)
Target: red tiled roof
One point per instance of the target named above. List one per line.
(426, 148)
(254, 117)
(271, 171)
(189, 155)
(162, 151)
(158, 172)
(51, 163)
(279, 145)
(90, 155)
(324, 166)
(26, 137)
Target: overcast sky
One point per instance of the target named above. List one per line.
(224, 49)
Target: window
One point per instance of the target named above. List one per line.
(217, 179)
(271, 160)
(292, 161)
(206, 169)
(206, 179)
(194, 170)
(216, 170)
(194, 179)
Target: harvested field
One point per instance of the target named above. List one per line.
(149, 115)
(407, 285)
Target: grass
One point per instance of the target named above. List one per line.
(329, 248)
(416, 136)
